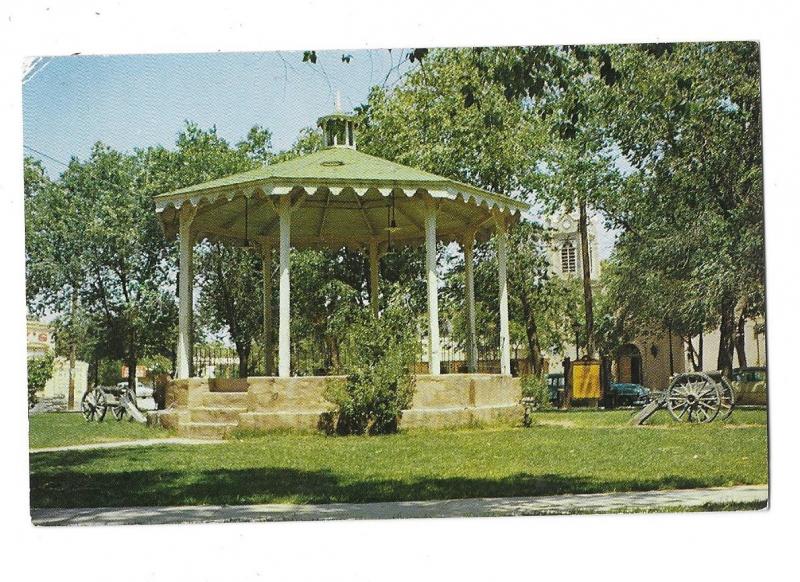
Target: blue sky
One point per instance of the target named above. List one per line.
(140, 100)
(131, 101)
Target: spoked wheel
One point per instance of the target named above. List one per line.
(118, 411)
(727, 398)
(694, 398)
(94, 405)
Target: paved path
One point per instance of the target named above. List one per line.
(495, 507)
(122, 444)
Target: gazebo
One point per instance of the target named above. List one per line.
(338, 197)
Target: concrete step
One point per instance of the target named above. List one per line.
(216, 413)
(207, 430)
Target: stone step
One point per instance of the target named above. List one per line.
(220, 399)
(302, 420)
(216, 413)
(207, 430)
(456, 416)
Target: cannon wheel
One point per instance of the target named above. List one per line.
(727, 400)
(118, 411)
(94, 405)
(694, 397)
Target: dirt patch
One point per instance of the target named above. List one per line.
(561, 423)
(744, 425)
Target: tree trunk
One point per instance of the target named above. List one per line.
(671, 354)
(694, 357)
(532, 334)
(132, 363)
(587, 278)
(244, 356)
(740, 347)
(700, 351)
(726, 340)
(132, 359)
(73, 348)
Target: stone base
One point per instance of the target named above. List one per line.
(211, 407)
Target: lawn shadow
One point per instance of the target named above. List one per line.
(55, 484)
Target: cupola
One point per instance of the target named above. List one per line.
(338, 129)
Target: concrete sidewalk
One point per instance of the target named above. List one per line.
(123, 444)
(495, 507)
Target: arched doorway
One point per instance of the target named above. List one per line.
(629, 365)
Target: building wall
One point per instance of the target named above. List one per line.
(564, 228)
(655, 360)
(40, 341)
(58, 385)
(755, 347)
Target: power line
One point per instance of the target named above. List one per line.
(44, 155)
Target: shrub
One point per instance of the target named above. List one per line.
(40, 370)
(535, 387)
(380, 383)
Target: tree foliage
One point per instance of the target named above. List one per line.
(688, 120)
(380, 382)
(40, 370)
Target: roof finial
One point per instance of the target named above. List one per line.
(338, 102)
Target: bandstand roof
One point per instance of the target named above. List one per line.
(340, 197)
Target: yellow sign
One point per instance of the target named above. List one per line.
(586, 379)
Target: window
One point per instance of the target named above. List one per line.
(568, 262)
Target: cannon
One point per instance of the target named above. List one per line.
(692, 397)
(96, 402)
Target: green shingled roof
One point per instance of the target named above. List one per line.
(335, 166)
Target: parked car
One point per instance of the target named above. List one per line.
(750, 385)
(626, 394)
(555, 388)
(142, 390)
(144, 395)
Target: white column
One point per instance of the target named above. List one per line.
(183, 352)
(266, 269)
(433, 291)
(469, 287)
(284, 346)
(373, 275)
(505, 339)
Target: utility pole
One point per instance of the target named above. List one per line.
(587, 277)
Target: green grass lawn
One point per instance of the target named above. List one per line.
(61, 429)
(564, 452)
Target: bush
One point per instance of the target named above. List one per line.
(380, 383)
(40, 370)
(535, 387)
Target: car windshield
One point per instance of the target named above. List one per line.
(751, 375)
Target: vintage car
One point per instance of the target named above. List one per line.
(626, 394)
(555, 388)
(750, 385)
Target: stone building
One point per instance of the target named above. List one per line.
(648, 360)
(39, 342)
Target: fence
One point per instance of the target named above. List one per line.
(311, 359)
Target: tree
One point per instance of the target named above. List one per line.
(231, 294)
(125, 255)
(425, 123)
(687, 117)
(40, 370)
(54, 254)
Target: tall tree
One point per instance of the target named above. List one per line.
(54, 255)
(687, 117)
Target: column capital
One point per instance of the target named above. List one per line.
(431, 204)
(468, 240)
(186, 214)
(500, 222)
